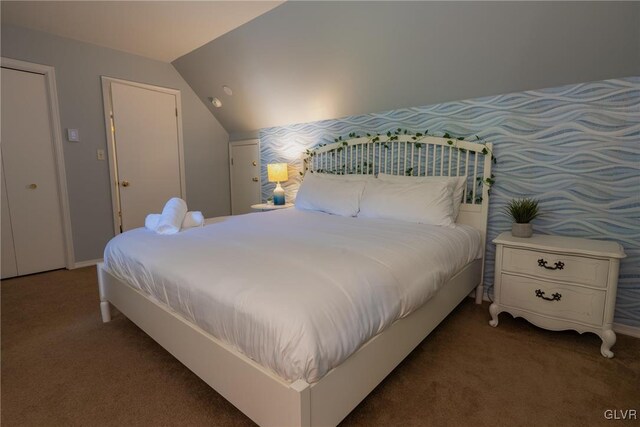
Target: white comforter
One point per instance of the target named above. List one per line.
(296, 291)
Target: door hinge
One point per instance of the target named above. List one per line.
(176, 112)
(232, 161)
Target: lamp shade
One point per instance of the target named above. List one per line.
(277, 172)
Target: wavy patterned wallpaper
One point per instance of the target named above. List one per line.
(576, 148)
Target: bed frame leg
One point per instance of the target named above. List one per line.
(303, 415)
(479, 293)
(105, 309)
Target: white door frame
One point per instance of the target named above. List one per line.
(244, 142)
(56, 136)
(111, 143)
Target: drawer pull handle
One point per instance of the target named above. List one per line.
(554, 297)
(557, 266)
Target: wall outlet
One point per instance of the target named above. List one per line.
(101, 155)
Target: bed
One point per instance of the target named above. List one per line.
(304, 313)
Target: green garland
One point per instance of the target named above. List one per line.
(416, 137)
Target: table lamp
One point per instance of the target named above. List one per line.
(277, 172)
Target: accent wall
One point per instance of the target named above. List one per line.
(576, 148)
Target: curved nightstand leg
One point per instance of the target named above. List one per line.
(608, 341)
(493, 310)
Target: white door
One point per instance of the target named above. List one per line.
(9, 266)
(30, 175)
(245, 176)
(146, 150)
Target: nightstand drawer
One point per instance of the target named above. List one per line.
(566, 268)
(560, 301)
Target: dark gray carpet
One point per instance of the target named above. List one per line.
(62, 366)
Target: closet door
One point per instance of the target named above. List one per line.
(30, 173)
(147, 150)
(9, 267)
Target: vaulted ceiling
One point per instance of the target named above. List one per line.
(306, 61)
(162, 30)
(301, 61)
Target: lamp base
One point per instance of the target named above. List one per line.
(278, 195)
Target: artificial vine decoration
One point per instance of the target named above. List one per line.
(416, 137)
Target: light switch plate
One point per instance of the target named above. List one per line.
(73, 135)
(101, 155)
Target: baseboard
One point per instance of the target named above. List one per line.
(485, 297)
(88, 263)
(632, 331)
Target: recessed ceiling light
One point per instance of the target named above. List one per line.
(216, 102)
(227, 90)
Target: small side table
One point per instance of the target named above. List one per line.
(263, 207)
(558, 283)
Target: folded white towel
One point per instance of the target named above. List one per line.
(191, 219)
(151, 221)
(172, 216)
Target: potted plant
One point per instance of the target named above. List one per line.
(523, 211)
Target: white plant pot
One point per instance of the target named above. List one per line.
(521, 230)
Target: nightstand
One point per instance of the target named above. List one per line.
(270, 207)
(558, 283)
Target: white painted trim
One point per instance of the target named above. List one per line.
(240, 143)
(54, 117)
(183, 179)
(113, 167)
(632, 331)
(111, 146)
(245, 142)
(87, 263)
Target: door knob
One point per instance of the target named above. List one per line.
(254, 163)
(33, 186)
(125, 183)
(255, 179)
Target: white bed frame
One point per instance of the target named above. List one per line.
(259, 393)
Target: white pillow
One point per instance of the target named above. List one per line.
(457, 184)
(430, 203)
(345, 177)
(332, 195)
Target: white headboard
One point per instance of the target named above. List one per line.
(414, 155)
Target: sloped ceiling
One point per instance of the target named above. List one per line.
(306, 61)
(161, 30)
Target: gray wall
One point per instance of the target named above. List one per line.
(78, 69)
(307, 61)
